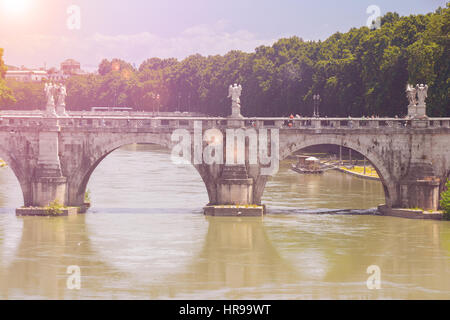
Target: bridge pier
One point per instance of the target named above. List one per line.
(235, 187)
(234, 194)
(49, 189)
(420, 188)
(48, 185)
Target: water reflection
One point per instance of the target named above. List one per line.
(301, 257)
(178, 253)
(234, 253)
(46, 248)
(335, 252)
(143, 176)
(332, 190)
(237, 254)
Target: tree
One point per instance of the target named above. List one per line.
(107, 66)
(104, 67)
(6, 95)
(359, 72)
(28, 95)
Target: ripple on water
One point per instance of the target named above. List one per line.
(146, 237)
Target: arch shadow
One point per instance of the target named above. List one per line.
(79, 181)
(373, 158)
(20, 174)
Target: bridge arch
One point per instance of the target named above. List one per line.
(79, 180)
(376, 159)
(20, 174)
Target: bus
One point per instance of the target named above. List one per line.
(111, 109)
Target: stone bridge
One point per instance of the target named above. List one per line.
(54, 157)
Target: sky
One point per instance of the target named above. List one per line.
(38, 33)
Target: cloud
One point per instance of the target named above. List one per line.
(34, 50)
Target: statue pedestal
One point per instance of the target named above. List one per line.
(419, 111)
(50, 111)
(235, 195)
(61, 111)
(236, 118)
(236, 111)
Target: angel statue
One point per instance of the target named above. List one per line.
(411, 94)
(422, 94)
(234, 93)
(62, 94)
(48, 88)
(61, 104)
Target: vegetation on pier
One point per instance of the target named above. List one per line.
(87, 196)
(54, 208)
(445, 201)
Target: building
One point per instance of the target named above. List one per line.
(57, 76)
(27, 75)
(71, 67)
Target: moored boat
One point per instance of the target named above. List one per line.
(306, 171)
(307, 165)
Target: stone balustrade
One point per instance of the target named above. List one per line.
(122, 121)
(53, 157)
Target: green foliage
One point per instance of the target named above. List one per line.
(445, 201)
(87, 196)
(27, 95)
(360, 72)
(114, 65)
(54, 208)
(6, 95)
(3, 67)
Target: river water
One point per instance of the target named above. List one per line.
(146, 238)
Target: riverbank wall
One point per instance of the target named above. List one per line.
(359, 175)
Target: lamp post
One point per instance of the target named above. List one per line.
(316, 100)
(153, 104)
(189, 102)
(158, 97)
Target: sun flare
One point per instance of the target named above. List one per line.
(15, 6)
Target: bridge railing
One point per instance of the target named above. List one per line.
(147, 122)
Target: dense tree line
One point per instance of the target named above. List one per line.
(27, 95)
(6, 94)
(360, 72)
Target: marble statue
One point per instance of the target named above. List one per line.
(422, 94)
(411, 94)
(49, 93)
(55, 93)
(62, 94)
(417, 108)
(234, 92)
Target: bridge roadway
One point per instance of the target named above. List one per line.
(54, 157)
